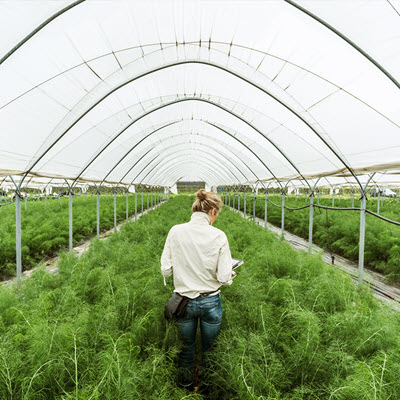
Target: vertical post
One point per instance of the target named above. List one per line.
(233, 201)
(305, 195)
(147, 195)
(352, 198)
(142, 199)
(283, 214)
(151, 197)
(135, 203)
(379, 202)
(18, 232)
(239, 200)
(244, 202)
(98, 212)
(45, 198)
(254, 205)
(319, 192)
(362, 239)
(229, 197)
(70, 217)
(127, 204)
(115, 208)
(266, 208)
(59, 195)
(311, 221)
(333, 197)
(26, 198)
(296, 193)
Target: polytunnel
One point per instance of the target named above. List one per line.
(278, 106)
(235, 94)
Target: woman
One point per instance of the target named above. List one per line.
(198, 256)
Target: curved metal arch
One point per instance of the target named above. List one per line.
(171, 176)
(215, 175)
(169, 173)
(214, 65)
(39, 28)
(167, 159)
(222, 175)
(176, 101)
(346, 39)
(180, 144)
(150, 134)
(130, 169)
(202, 135)
(209, 174)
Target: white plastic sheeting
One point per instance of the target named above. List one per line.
(151, 92)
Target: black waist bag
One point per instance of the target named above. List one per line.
(176, 306)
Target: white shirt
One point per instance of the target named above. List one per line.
(198, 256)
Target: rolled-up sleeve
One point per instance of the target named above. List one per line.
(166, 257)
(224, 266)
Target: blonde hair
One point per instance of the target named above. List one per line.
(206, 201)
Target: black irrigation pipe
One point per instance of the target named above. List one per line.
(6, 204)
(383, 218)
(338, 208)
(333, 208)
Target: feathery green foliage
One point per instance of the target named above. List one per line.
(45, 229)
(338, 231)
(293, 327)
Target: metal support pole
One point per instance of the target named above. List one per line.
(26, 199)
(352, 198)
(311, 221)
(98, 212)
(229, 198)
(305, 195)
(147, 195)
(233, 200)
(362, 239)
(59, 195)
(379, 202)
(151, 197)
(319, 192)
(115, 209)
(127, 204)
(142, 200)
(135, 204)
(266, 208)
(70, 217)
(254, 206)
(333, 198)
(45, 198)
(283, 214)
(244, 203)
(18, 233)
(239, 201)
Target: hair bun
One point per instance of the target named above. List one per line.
(201, 194)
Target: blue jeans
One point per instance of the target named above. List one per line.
(209, 311)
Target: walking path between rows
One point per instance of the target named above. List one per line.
(52, 263)
(383, 290)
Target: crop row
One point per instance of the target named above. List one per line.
(293, 327)
(45, 228)
(338, 231)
